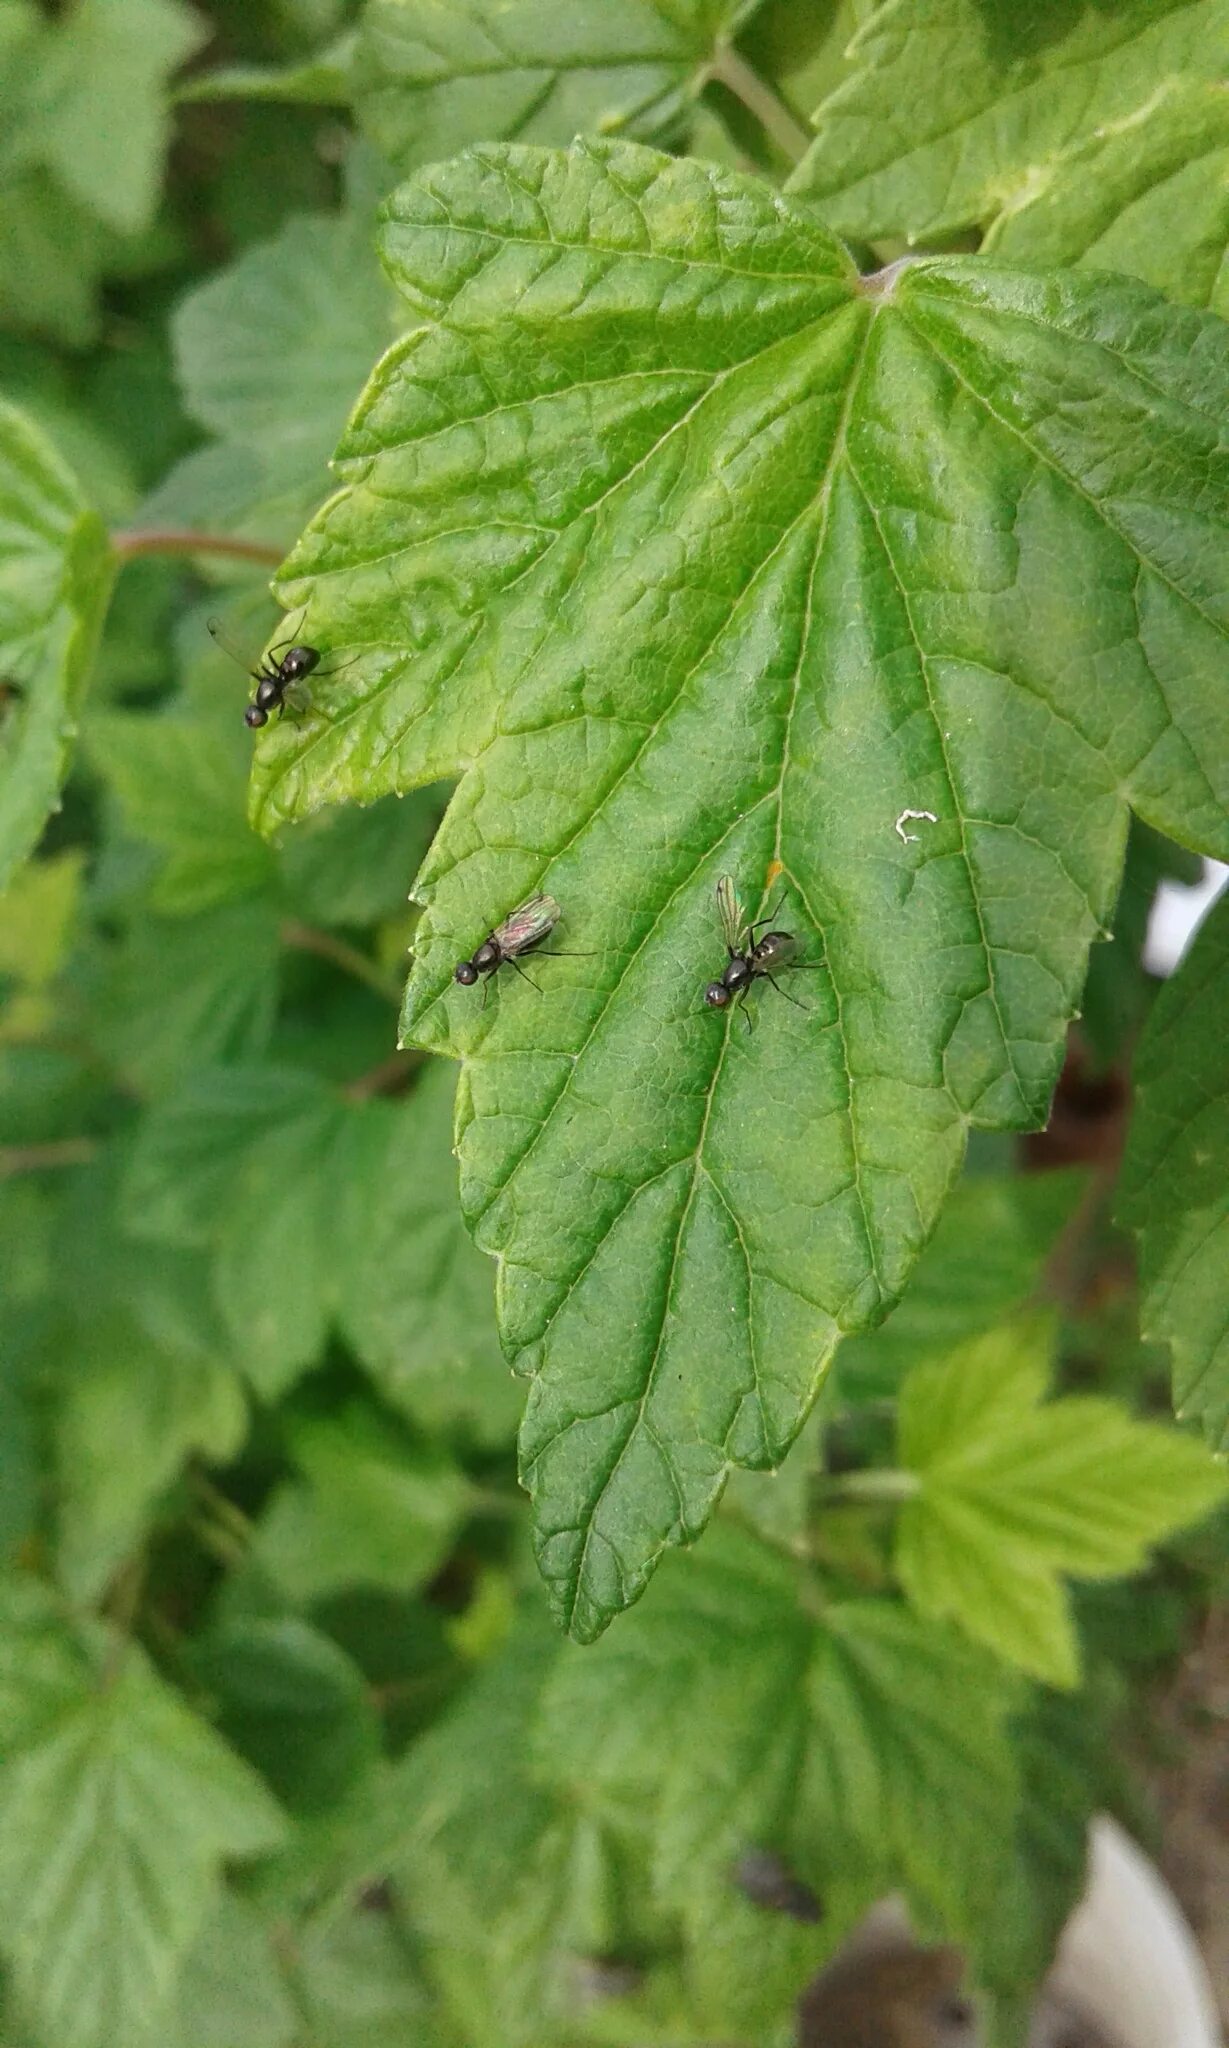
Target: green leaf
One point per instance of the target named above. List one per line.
(1119, 991)
(293, 1705)
(913, 1770)
(1063, 1747)
(230, 1988)
(250, 1162)
(433, 75)
(55, 255)
(182, 992)
(1173, 1191)
(55, 578)
(356, 866)
(98, 114)
(985, 1260)
(372, 1509)
(482, 1852)
(577, 567)
(37, 912)
(418, 1306)
(318, 1210)
(322, 80)
(359, 1988)
(43, 1668)
(128, 1417)
(271, 352)
(180, 787)
(115, 1814)
(1068, 135)
(867, 1748)
(1012, 1495)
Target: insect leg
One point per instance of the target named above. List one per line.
(294, 634)
(785, 992)
(769, 915)
(514, 962)
(321, 673)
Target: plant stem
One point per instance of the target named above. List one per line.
(33, 1158)
(774, 117)
(387, 1077)
(228, 1515)
(868, 1489)
(177, 540)
(327, 946)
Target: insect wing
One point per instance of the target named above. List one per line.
(227, 644)
(732, 926)
(527, 925)
(775, 949)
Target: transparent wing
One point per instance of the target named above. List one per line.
(228, 646)
(527, 925)
(732, 925)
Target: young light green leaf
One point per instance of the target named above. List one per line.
(55, 578)
(1101, 137)
(128, 1416)
(1012, 1495)
(116, 1812)
(180, 786)
(576, 561)
(432, 75)
(372, 1509)
(1174, 1192)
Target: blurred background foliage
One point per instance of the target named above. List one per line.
(289, 1757)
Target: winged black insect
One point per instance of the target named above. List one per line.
(279, 677)
(523, 929)
(750, 959)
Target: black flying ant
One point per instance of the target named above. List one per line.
(523, 929)
(278, 676)
(750, 958)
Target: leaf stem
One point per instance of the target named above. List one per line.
(387, 1077)
(730, 69)
(327, 946)
(181, 540)
(873, 1488)
(33, 1158)
(228, 1515)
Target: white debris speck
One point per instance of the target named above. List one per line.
(910, 838)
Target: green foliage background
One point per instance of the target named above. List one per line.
(783, 440)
